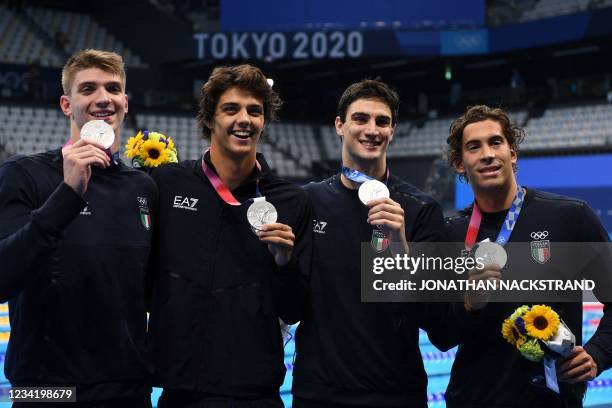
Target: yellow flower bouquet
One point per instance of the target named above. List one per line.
(150, 149)
(537, 330)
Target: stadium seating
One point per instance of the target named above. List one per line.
(570, 127)
(552, 8)
(291, 149)
(35, 129)
(27, 129)
(19, 45)
(518, 11)
(81, 31)
(298, 142)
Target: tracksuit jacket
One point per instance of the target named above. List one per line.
(73, 271)
(360, 353)
(490, 372)
(217, 293)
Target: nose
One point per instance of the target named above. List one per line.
(371, 128)
(487, 153)
(102, 97)
(243, 119)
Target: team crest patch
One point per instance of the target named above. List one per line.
(379, 240)
(145, 216)
(540, 249)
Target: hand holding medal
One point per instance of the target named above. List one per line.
(493, 257)
(474, 299)
(96, 136)
(386, 215)
(280, 240)
(261, 216)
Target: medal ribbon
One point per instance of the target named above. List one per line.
(506, 230)
(359, 177)
(221, 189)
(114, 156)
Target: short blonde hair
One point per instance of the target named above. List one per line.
(105, 60)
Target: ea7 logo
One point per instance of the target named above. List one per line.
(319, 226)
(185, 203)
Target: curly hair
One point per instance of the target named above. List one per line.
(246, 77)
(513, 133)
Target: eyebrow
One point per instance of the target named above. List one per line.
(90, 83)
(368, 115)
(493, 136)
(237, 105)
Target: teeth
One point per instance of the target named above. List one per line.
(243, 134)
(101, 115)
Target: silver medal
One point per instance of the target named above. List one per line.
(98, 131)
(371, 190)
(491, 253)
(261, 212)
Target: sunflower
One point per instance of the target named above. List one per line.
(153, 153)
(510, 333)
(532, 351)
(132, 147)
(520, 341)
(541, 322)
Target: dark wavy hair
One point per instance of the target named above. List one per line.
(370, 89)
(246, 77)
(513, 133)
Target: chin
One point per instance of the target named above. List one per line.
(242, 150)
(492, 185)
(369, 155)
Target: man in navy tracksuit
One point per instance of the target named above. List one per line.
(349, 353)
(488, 371)
(75, 231)
(221, 284)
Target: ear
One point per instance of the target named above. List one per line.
(459, 168)
(126, 103)
(513, 157)
(65, 105)
(338, 125)
(391, 134)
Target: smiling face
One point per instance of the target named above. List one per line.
(95, 95)
(487, 160)
(365, 133)
(237, 123)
